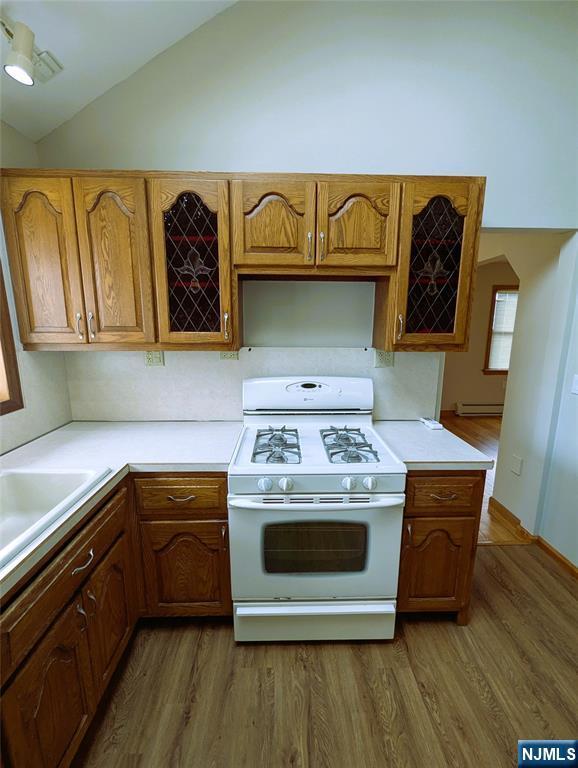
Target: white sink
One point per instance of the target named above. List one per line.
(31, 501)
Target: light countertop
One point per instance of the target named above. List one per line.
(422, 448)
(181, 446)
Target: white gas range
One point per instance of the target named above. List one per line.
(315, 513)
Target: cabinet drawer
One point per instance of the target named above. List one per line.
(445, 494)
(181, 494)
(31, 613)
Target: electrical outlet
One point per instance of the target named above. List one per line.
(517, 464)
(229, 355)
(154, 358)
(382, 359)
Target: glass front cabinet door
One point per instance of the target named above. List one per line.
(437, 259)
(190, 234)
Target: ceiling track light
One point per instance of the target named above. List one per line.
(26, 63)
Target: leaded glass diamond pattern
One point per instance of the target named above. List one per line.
(192, 253)
(434, 268)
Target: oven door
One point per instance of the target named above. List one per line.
(311, 548)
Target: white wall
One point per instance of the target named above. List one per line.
(558, 513)
(370, 87)
(201, 386)
(544, 304)
(463, 374)
(42, 374)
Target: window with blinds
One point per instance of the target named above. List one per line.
(503, 318)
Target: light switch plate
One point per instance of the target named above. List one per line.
(574, 389)
(382, 359)
(154, 358)
(517, 464)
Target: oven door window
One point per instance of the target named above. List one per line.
(315, 547)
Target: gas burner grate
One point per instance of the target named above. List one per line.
(348, 445)
(276, 445)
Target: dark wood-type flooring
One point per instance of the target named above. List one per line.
(438, 695)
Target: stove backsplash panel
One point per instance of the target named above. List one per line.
(199, 386)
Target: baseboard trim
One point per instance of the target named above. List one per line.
(503, 514)
(563, 561)
(509, 520)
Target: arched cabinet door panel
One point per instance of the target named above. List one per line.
(273, 222)
(40, 230)
(113, 238)
(437, 260)
(357, 223)
(186, 567)
(190, 235)
(109, 600)
(436, 558)
(47, 708)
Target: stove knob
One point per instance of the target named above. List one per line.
(285, 483)
(370, 483)
(264, 484)
(348, 483)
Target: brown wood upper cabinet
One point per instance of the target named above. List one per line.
(41, 240)
(79, 259)
(286, 222)
(437, 258)
(357, 223)
(273, 222)
(190, 236)
(112, 226)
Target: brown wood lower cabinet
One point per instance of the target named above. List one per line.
(59, 658)
(439, 539)
(47, 709)
(186, 567)
(109, 601)
(435, 563)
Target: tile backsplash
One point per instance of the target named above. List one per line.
(199, 386)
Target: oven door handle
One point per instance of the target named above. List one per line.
(391, 500)
(323, 609)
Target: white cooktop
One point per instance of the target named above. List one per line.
(314, 458)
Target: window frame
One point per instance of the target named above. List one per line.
(486, 370)
(15, 401)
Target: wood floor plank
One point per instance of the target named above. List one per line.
(440, 695)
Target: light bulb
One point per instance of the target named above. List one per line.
(19, 63)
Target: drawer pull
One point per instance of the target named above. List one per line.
(85, 566)
(449, 497)
(192, 497)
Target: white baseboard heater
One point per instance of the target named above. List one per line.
(479, 409)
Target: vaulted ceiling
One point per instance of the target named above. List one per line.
(98, 43)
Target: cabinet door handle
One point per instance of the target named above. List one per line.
(85, 566)
(224, 535)
(409, 532)
(91, 597)
(449, 497)
(90, 326)
(322, 246)
(81, 612)
(226, 325)
(400, 331)
(309, 246)
(78, 329)
(182, 499)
